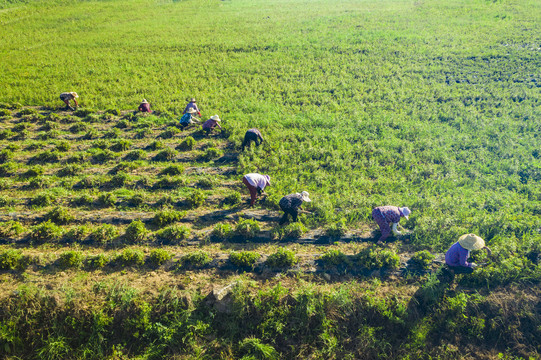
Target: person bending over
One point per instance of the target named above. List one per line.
(252, 135)
(144, 106)
(255, 183)
(211, 123)
(291, 204)
(67, 96)
(457, 255)
(386, 215)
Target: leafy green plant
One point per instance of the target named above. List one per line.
(106, 200)
(121, 145)
(222, 232)
(173, 234)
(6, 155)
(42, 199)
(83, 200)
(195, 260)
(156, 145)
(187, 144)
(104, 234)
(232, 199)
(169, 182)
(373, 258)
(244, 259)
(167, 154)
(59, 215)
(70, 170)
(97, 261)
(247, 229)
(11, 228)
(77, 233)
(45, 232)
(210, 154)
(12, 259)
(173, 170)
(291, 231)
(337, 229)
(335, 258)
(135, 232)
(205, 183)
(166, 217)
(130, 257)
(8, 169)
(282, 258)
(63, 146)
(195, 199)
(159, 257)
(253, 348)
(422, 259)
(135, 155)
(70, 259)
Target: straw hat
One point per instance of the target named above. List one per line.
(191, 111)
(144, 101)
(267, 177)
(192, 100)
(74, 94)
(406, 211)
(305, 197)
(215, 118)
(471, 242)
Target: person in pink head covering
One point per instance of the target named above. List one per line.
(386, 215)
(255, 183)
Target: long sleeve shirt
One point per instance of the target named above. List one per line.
(191, 106)
(256, 132)
(257, 180)
(292, 201)
(391, 214)
(211, 124)
(457, 256)
(144, 107)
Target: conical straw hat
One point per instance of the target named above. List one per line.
(471, 242)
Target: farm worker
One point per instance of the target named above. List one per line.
(188, 118)
(255, 183)
(144, 106)
(252, 135)
(291, 204)
(211, 123)
(67, 96)
(192, 105)
(459, 252)
(385, 215)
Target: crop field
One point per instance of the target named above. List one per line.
(123, 236)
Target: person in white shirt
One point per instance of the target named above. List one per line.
(255, 183)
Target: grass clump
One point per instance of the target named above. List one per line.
(166, 217)
(195, 199)
(11, 228)
(59, 215)
(167, 154)
(247, 229)
(232, 199)
(210, 154)
(253, 348)
(187, 144)
(135, 155)
(6, 155)
(104, 234)
(69, 170)
(373, 258)
(282, 258)
(8, 169)
(12, 259)
(97, 261)
(121, 145)
(77, 233)
(205, 183)
(169, 182)
(337, 229)
(45, 232)
(159, 257)
(156, 145)
(333, 258)
(135, 232)
(173, 234)
(42, 199)
(291, 231)
(130, 257)
(173, 170)
(135, 200)
(422, 260)
(195, 260)
(83, 200)
(32, 172)
(244, 259)
(70, 260)
(63, 146)
(106, 200)
(222, 232)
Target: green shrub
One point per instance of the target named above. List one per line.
(115, 112)
(11, 228)
(169, 133)
(122, 124)
(59, 215)
(97, 261)
(47, 156)
(77, 234)
(121, 145)
(156, 145)
(232, 199)
(373, 258)
(100, 156)
(49, 125)
(78, 127)
(6, 155)
(159, 257)
(8, 169)
(130, 257)
(167, 154)
(135, 232)
(244, 259)
(39, 182)
(42, 199)
(90, 134)
(45, 232)
(63, 146)
(187, 144)
(173, 170)
(195, 199)
(422, 259)
(337, 229)
(70, 170)
(12, 259)
(253, 348)
(335, 258)
(27, 111)
(173, 234)
(88, 182)
(169, 183)
(196, 259)
(106, 200)
(112, 134)
(77, 158)
(282, 258)
(104, 234)
(48, 135)
(70, 259)
(124, 166)
(83, 113)
(291, 231)
(205, 183)
(210, 154)
(135, 155)
(167, 216)
(247, 229)
(135, 200)
(32, 172)
(142, 133)
(119, 180)
(222, 232)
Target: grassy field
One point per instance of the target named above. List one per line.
(114, 228)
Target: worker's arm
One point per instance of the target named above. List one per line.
(395, 231)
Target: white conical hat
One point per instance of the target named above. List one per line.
(471, 242)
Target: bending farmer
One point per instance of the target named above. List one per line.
(67, 96)
(255, 183)
(252, 135)
(385, 215)
(457, 255)
(291, 204)
(144, 106)
(192, 105)
(211, 123)
(188, 118)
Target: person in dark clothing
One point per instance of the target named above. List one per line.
(144, 106)
(252, 135)
(291, 204)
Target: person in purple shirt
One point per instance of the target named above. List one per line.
(255, 183)
(144, 106)
(192, 105)
(457, 255)
(385, 215)
(211, 123)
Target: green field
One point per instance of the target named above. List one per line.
(115, 227)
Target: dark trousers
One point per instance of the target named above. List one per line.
(293, 212)
(461, 269)
(248, 138)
